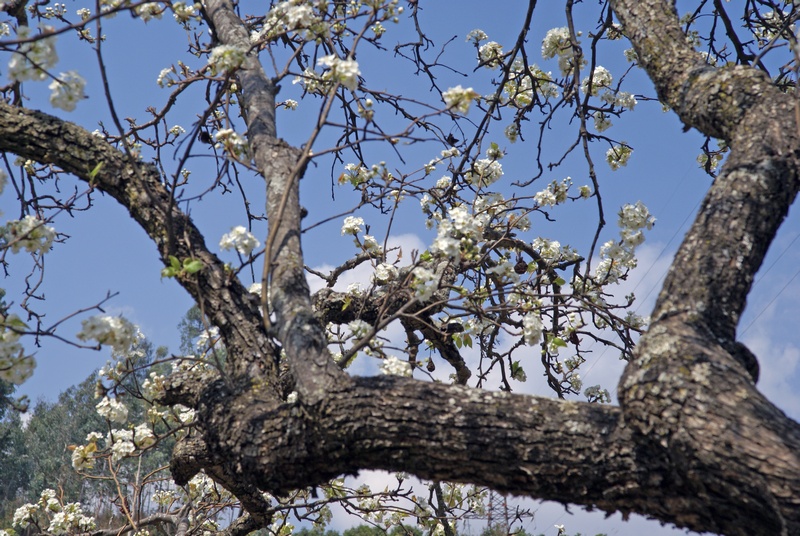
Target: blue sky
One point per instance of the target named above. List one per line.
(107, 252)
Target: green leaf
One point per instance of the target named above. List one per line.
(425, 256)
(558, 341)
(559, 281)
(93, 173)
(457, 340)
(192, 266)
(174, 262)
(467, 340)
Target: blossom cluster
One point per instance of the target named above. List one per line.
(491, 54)
(554, 194)
(231, 142)
(67, 90)
(557, 43)
(83, 455)
(225, 59)
(352, 225)
(292, 16)
(522, 86)
(459, 232)
(601, 78)
(424, 283)
(619, 256)
(33, 58)
(183, 12)
(64, 518)
(239, 239)
(532, 328)
(358, 174)
(344, 72)
(149, 11)
(385, 273)
(459, 98)
(618, 156)
(394, 366)
(113, 410)
(29, 233)
(484, 172)
(113, 331)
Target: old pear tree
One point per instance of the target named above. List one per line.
(398, 125)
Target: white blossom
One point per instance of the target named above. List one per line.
(484, 172)
(618, 156)
(371, 245)
(149, 11)
(555, 42)
(226, 59)
(67, 90)
(122, 449)
(183, 12)
(625, 100)
(239, 239)
(342, 71)
(186, 416)
(352, 225)
(114, 331)
(359, 328)
(15, 366)
(23, 516)
(113, 410)
(32, 59)
(424, 284)
(385, 273)
(635, 216)
(491, 54)
(522, 86)
(29, 233)
(476, 36)
(459, 98)
(554, 194)
(154, 385)
(230, 141)
(289, 16)
(601, 78)
(532, 328)
(601, 121)
(394, 366)
(82, 457)
(165, 77)
(143, 436)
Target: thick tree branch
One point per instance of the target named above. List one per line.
(302, 336)
(137, 186)
(567, 451)
(748, 201)
(688, 389)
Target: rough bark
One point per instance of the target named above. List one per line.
(693, 443)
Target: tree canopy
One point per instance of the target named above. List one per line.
(275, 397)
